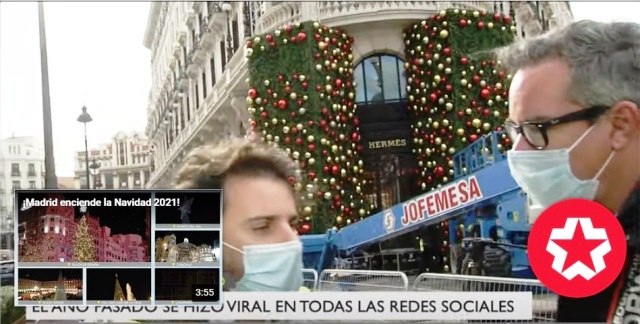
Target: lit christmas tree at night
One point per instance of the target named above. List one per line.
(83, 249)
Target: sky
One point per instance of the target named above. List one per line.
(97, 60)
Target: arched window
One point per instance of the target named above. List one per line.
(380, 78)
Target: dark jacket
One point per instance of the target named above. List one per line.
(609, 305)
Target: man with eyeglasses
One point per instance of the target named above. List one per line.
(575, 126)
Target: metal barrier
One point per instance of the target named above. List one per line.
(362, 280)
(310, 278)
(544, 301)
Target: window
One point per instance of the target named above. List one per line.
(235, 39)
(124, 180)
(197, 95)
(188, 108)
(204, 85)
(32, 170)
(213, 71)
(16, 184)
(32, 185)
(15, 169)
(380, 78)
(223, 55)
(108, 181)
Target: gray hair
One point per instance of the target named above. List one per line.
(604, 59)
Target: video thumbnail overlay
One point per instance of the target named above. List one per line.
(200, 209)
(83, 228)
(112, 286)
(187, 286)
(49, 286)
(102, 247)
(187, 248)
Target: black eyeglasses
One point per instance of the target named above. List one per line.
(535, 133)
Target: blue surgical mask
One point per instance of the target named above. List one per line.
(271, 267)
(547, 178)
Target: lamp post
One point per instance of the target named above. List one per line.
(94, 166)
(86, 118)
(227, 8)
(51, 180)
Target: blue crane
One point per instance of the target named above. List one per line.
(482, 193)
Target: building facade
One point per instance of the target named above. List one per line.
(199, 63)
(21, 167)
(122, 164)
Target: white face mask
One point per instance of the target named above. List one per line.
(547, 178)
(271, 267)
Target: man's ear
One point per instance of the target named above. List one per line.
(625, 121)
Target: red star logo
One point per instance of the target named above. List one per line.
(578, 249)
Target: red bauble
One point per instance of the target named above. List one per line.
(253, 93)
(473, 137)
(311, 147)
(449, 87)
(305, 229)
(269, 38)
(282, 104)
(312, 175)
(463, 23)
(249, 43)
(476, 79)
(254, 124)
(324, 110)
(305, 84)
(464, 61)
(302, 36)
(507, 20)
(273, 45)
(287, 140)
(447, 51)
(288, 29)
(338, 83)
(433, 97)
(335, 170)
(485, 93)
(319, 88)
(480, 25)
(355, 137)
(264, 115)
(497, 16)
(325, 169)
(298, 141)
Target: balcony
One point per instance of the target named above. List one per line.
(15, 173)
(216, 17)
(342, 13)
(207, 37)
(193, 65)
(183, 79)
(31, 174)
(200, 54)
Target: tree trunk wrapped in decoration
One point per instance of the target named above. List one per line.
(456, 91)
(301, 98)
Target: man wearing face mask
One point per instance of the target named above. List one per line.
(575, 126)
(262, 251)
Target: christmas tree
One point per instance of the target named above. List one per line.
(118, 294)
(301, 98)
(83, 249)
(456, 91)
